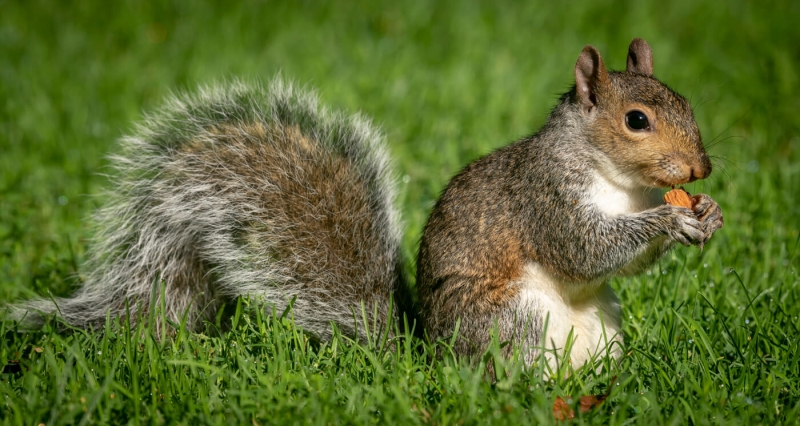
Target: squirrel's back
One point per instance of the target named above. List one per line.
(241, 190)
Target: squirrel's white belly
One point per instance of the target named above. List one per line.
(593, 316)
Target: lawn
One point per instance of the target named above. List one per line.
(711, 336)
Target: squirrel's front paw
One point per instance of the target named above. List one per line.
(709, 213)
(685, 227)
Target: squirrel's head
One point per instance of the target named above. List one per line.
(646, 129)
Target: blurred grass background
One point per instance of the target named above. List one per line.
(448, 81)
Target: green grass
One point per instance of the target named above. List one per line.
(711, 336)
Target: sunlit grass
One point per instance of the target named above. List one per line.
(711, 336)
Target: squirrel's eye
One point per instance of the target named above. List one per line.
(637, 120)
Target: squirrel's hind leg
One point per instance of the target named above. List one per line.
(516, 328)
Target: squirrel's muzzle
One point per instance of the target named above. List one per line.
(680, 168)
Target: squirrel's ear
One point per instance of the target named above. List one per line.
(590, 74)
(640, 58)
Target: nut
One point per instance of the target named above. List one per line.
(678, 197)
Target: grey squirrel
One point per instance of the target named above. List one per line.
(244, 191)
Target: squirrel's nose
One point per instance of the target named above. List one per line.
(699, 168)
(696, 172)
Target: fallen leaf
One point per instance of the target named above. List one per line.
(591, 401)
(561, 410)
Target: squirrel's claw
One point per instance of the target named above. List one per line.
(709, 214)
(686, 229)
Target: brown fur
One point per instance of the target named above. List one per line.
(290, 177)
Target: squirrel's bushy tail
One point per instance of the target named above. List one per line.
(241, 190)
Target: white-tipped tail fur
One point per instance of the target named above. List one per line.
(240, 190)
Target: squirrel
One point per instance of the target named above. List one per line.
(245, 191)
